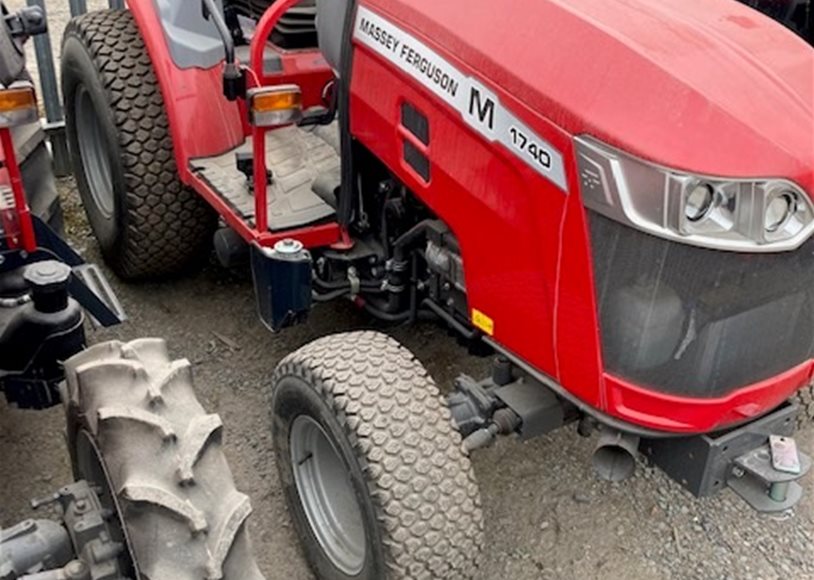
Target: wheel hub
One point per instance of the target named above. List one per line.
(327, 495)
(91, 468)
(94, 153)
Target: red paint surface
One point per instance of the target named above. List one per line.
(689, 86)
(17, 223)
(203, 123)
(684, 415)
(706, 87)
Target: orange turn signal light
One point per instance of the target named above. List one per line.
(18, 105)
(275, 106)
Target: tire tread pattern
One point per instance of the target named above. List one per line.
(805, 399)
(143, 441)
(419, 477)
(168, 224)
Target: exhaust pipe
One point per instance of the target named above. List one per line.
(615, 455)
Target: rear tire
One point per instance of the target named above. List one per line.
(136, 430)
(805, 399)
(373, 471)
(147, 222)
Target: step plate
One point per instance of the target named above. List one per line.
(296, 157)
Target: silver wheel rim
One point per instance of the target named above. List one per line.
(93, 152)
(327, 495)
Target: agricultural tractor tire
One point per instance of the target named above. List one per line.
(147, 222)
(372, 468)
(137, 433)
(805, 400)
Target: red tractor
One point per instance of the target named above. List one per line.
(615, 197)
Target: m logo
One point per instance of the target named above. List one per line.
(482, 108)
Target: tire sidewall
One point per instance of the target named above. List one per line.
(294, 397)
(78, 71)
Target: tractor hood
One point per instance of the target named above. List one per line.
(706, 86)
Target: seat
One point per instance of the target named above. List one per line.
(331, 16)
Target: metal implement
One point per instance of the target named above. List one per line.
(765, 488)
(31, 546)
(38, 334)
(79, 548)
(739, 458)
(55, 120)
(784, 454)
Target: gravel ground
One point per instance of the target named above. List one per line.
(546, 514)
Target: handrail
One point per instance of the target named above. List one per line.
(263, 31)
(258, 47)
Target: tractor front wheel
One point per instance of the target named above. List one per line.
(147, 222)
(372, 468)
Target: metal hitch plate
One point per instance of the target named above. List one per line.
(784, 454)
(755, 478)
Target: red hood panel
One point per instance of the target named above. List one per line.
(709, 86)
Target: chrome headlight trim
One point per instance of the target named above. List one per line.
(653, 199)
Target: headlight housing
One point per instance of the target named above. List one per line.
(760, 215)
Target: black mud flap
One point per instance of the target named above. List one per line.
(282, 283)
(739, 458)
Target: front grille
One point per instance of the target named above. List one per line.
(695, 322)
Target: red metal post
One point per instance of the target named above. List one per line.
(261, 36)
(263, 31)
(26, 225)
(260, 179)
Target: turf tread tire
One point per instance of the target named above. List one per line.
(163, 226)
(418, 475)
(164, 458)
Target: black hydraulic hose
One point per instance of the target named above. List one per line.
(386, 316)
(211, 10)
(328, 296)
(345, 285)
(409, 237)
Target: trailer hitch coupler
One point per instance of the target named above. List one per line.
(614, 458)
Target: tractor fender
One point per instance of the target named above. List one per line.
(202, 122)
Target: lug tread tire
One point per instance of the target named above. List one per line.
(419, 478)
(805, 399)
(167, 224)
(164, 456)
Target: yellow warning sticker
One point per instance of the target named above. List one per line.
(483, 322)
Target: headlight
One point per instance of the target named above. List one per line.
(700, 202)
(760, 215)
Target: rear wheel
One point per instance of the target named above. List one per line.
(373, 471)
(137, 432)
(147, 222)
(805, 399)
